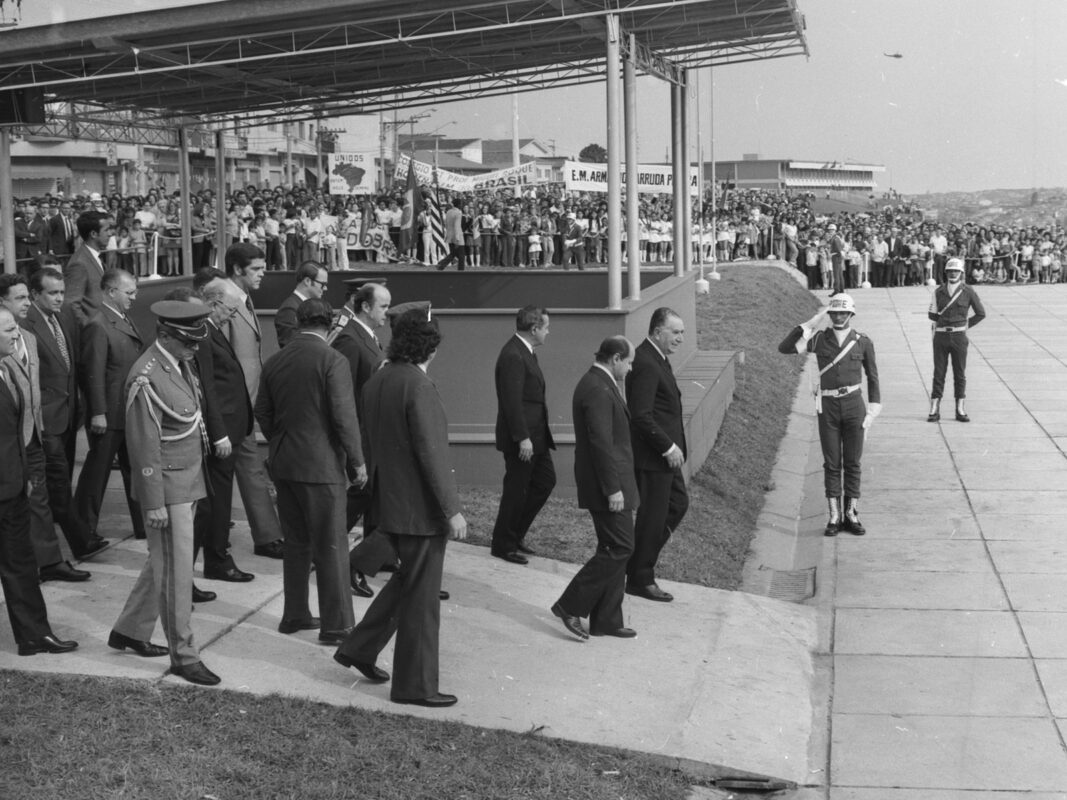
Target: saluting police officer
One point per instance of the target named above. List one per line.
(167, 442)
(950, 315)
(842, 355)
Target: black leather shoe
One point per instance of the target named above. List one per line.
(200, 596)
(371, 672)
(196, 673)
(334, 637)
(650, 592)
(438, 700)
(294, 625)
(47, 644)
(360, 587)
(118, 641)
(573, 624)
(525, 549)
(63, 571)
(962, 417)
(935, 417)
(231, 574)
(92, 547)
(443, 595)
(275, 549)
(513, 557)
(831, 529)
(622, 633)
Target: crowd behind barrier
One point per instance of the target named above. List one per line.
(545, 227)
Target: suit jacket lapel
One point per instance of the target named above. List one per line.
(43, 331)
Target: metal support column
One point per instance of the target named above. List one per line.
(614, 145)
(678, 178)
(220, 198)
(687, 199)
(7, 200)
(633, 223)
(185, 208)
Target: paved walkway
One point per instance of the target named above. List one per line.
(945, 626)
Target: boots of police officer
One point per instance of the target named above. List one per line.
(961, 410)
(850, 520)
(935, 410)
(833, 524)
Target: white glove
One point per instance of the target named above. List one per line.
(812, 324)
(873, 410)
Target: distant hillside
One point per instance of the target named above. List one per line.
(1016, 207)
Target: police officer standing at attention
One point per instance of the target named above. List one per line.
(842, 355)
(950, 315)
(167, 441)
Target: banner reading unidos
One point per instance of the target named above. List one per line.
(651, 178)
(350, 173)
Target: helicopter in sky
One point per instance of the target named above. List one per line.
(893, 55)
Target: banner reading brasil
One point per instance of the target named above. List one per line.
(522, 175)
(651, 178)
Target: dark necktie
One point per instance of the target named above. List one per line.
(61, 340)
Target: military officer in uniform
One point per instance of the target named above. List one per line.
(951, 317)
(842, 355)
(167, 441)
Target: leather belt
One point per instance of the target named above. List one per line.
(950, 329)
(840, 391)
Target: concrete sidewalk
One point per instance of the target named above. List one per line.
(943, 639)
(718, 682)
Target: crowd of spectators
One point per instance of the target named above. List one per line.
(890, 244)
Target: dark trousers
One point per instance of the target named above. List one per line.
(376, 549)
(211, 523)
(878, 274)
(578, 251)
(664, 501)
(952, 345)
(18, 573)
(457, 253)
(312, 517)
(527, 485)
(939, 267)
(92, 483)
(598, 588)
(841, 435)
(507, 256)
(60, 500)
(410, 607)
(42, 525)
(837, 265)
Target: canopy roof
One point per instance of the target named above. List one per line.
(259, 60)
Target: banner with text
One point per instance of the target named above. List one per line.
(522, 175)
(350, 173)
(651, 178)
(375, 238)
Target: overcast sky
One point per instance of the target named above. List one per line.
(973, 104)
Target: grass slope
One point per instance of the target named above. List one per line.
(751, 308)
(71, 737)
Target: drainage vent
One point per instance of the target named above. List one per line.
(790, 585)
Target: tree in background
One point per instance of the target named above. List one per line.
(594, 154)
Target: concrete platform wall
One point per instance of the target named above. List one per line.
(472, 338)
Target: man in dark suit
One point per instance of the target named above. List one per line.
(24, 367)
(522, 435)
(110, 346)
(61, 232)
(306, 410)
(82, 273)
(57, 348)
(310, 282)
(415, 502)
(27, 246)
(366, 309)
(228, 417)
(659, 450)
(604, 475)
(898, 257)
(18, 567)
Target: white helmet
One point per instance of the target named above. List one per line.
(840, 303)
(954, 263)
